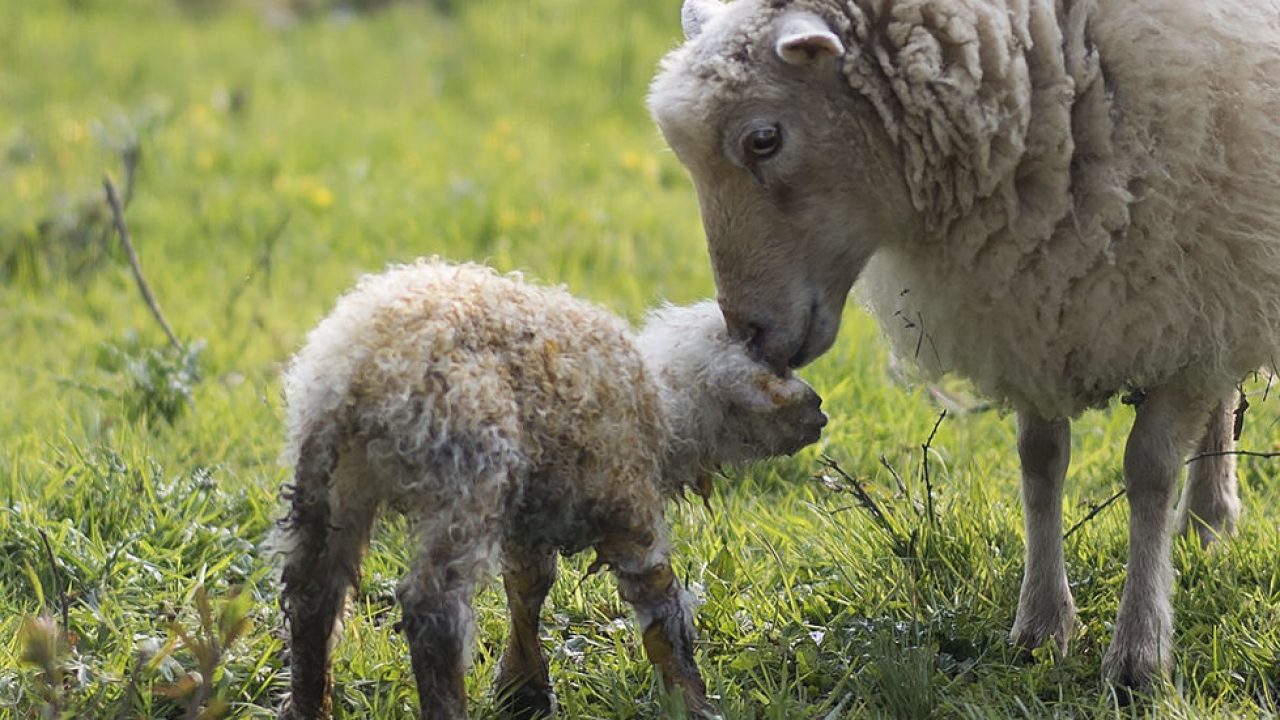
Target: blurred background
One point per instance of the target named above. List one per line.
(268, 152)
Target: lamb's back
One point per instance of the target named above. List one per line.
(446, 369)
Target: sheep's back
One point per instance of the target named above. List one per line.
(1161, 257)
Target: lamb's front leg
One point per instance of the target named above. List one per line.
(1045, 608)
(1167, 423)
(665, 615)
(523, 687)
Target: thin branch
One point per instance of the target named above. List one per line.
(117, 214)
(897, 479)
(1220, 453)
(57, 580)
(130, 156)
(1093, 513)
(864, 498)
(928, 483)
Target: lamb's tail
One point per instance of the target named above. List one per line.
(313, 592)
(303, 529)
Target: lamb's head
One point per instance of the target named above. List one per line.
(723, 405)
(794, 171)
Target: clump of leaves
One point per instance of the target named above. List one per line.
(45, 646)
(159, 380)
(50, 650)
(72, 237)
(207, 644)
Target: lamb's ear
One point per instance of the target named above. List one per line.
(762, 392)
(803, 38)
(696, 14)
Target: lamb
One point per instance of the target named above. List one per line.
(511, 422)
(1061, 201)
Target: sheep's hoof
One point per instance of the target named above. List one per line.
(526, 701)
(1050, 623)
(1218, 527)
(1027, 638)
(1131, 675)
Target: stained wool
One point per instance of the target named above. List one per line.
(511, 422)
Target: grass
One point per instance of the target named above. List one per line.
(279, 158)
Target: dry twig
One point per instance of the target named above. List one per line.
(864, 498)
(928, 483)
(117, 215)
(1220, 453)
(1093, 513)
(57, 580)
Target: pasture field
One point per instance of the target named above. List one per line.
(280, 153)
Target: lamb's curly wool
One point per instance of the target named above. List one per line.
(511, 422)
(1057, 200)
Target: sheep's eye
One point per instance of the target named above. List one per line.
(763, 142)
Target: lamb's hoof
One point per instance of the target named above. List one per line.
(289, 711)
(704, 710)
(526, 701)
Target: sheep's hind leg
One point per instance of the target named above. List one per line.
(1167, 424)
(523, 687)
(1210, 503)
(665, 614)
(1045, 609)
(324, 542)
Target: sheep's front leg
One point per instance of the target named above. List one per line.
(1210, 503)
(523, 687)
(1167, 423)
(664, 612)
(1045, 608)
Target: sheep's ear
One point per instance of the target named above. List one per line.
(764, 392)
(803, 38)
(696, 14)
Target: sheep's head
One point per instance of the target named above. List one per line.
(724, 405)
(794, 173)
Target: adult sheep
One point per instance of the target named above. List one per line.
(1065, 199)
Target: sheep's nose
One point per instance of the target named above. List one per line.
(746, 329)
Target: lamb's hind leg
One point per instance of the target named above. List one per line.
(460, 549)
(1167, 424)
(324, 539)
(1210, 503)
(1045, 608)
(523, 687)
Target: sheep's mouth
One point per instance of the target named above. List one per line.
(815, 338)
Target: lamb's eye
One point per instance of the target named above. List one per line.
(762, 142)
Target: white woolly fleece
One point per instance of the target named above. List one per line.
(1095, 183)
